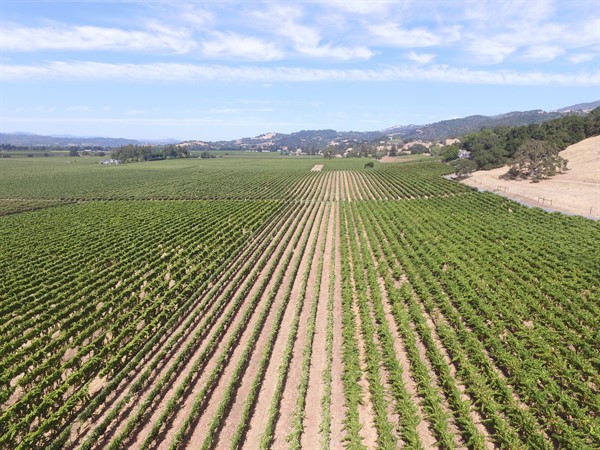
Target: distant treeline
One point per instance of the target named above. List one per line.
(131, 153)
(491, 148)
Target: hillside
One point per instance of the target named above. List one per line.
(575, 191)
(37, 140)
(311, 141)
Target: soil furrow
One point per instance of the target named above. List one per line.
(285, 423)
(313, 419)
(185, 409)
(258, 421)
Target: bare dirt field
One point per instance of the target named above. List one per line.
(399, 159)
(577, 191)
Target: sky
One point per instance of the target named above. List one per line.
(220, 70)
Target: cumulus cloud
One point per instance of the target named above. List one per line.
(194, 73)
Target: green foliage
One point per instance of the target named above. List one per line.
(491, 148)
(493, 304)
(418, 149)
(536, 160)
(450, 152)
(133, 153)
(464, 167)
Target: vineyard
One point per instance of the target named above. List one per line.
(254, 303)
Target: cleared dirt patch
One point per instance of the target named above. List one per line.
(576, 191)
(317, 168)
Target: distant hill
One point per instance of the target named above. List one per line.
(313, 140)
(454, 128)
(585, 107)
(36, 140)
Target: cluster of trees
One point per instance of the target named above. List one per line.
(536, 160)
(491, 148)
(531, 150)
(131, 153)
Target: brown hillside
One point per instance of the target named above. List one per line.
(576, 191)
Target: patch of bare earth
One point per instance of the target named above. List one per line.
(399, 159)
(338, 407)
(162, 400)
(366, 413)
(576, 191)
(258, 422)
(197, 434)
(311, 436)
(120, 391)
(285, 424)
(234, 418)
(317, 168)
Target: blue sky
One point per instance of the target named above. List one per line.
(230, 69)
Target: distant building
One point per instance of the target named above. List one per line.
(110, 162)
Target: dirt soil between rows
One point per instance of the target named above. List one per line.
(577, 191)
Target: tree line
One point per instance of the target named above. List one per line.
(133, 153)
(494, 147)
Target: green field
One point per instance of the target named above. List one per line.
(247, 302)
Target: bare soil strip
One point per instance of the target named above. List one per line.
(186, 329)
(198, 433)
(233, 420)
(258, 421)
(356, 192)
(285, 424)
(312, 436)
(366, 412)
(317, 168)
(158, 409)
(338, 408)
(346, 186)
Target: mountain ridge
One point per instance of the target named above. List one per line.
(316, 139)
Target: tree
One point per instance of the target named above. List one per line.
(464, 167)
(73, 152)
(417, 148)
(487, 149)
(536, 160)
(449, 153)
(369, 165)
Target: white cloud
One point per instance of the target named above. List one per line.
(579, 58)
(393, 34)
(196, 73)
(543, 53)
(78, 108)
(490, 51)
(199, 18)
(421, 58)
(361, 7)
(284, 21)
(233, 45)
(66, 37)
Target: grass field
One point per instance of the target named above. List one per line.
(247, 302)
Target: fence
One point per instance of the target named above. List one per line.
(541, 201)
